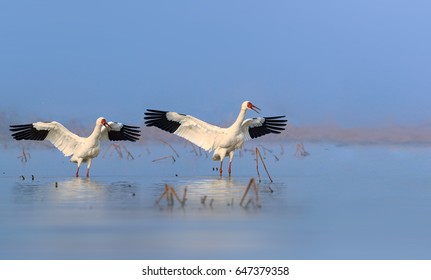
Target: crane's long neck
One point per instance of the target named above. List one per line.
(239, 119)
(95, 135)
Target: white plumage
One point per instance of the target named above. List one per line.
(80, 149)
(224, 141)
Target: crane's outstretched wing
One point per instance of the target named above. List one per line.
(120, 132)
(198, 132)
(54, 132)
(256, 127)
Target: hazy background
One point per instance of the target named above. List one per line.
(355, 67)
(341, 71)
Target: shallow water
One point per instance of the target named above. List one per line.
(341, 202)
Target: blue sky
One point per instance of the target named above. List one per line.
(352, 63)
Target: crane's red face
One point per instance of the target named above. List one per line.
(105, 124)
(252, 107)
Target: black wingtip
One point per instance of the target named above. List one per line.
(273, 125)
(18, 127)
(27, 132)
(127, 133)
(159, 119)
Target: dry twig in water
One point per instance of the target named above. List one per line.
(112, 148)
(265, 150)
(264, 165)
(129, 155)
(184, 197)
(256, 192)
(170, 146)
(270, 189)
(230, 203)
(248, 202)
(171, 156)
(170, 193)
(24, 155)
(300, 150)
(194, 150)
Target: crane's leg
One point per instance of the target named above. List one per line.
(79, 165)
(88, 168)
(230, 163)
(220, 156)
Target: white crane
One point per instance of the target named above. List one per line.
(80, 149)
(224, 141)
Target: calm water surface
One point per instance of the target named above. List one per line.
(349, 202)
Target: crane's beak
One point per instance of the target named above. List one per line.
(256, 109)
